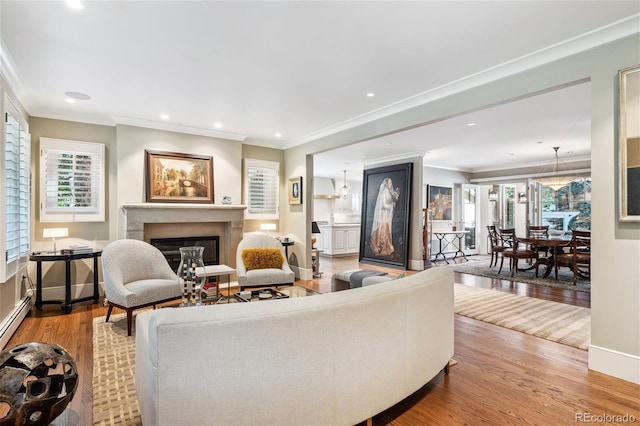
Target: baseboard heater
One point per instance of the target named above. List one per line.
(13, 320)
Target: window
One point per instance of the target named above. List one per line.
(569, 207)
(262, 189)
(71, 181)
(16, 217)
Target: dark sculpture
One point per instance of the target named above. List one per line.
(37, 382)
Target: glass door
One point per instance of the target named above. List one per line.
(469, 217)
(508, 206)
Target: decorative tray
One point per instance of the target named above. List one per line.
(264, 294)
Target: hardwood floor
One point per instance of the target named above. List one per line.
(502, 376)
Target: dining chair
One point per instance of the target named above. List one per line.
(536, 231)
(495, 245)
(515, 252)
(578, 255)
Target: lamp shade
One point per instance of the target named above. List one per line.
(267, 226)
(55, 232)
(314, 228)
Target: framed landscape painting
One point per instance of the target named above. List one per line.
(440, 201)
(173, 177)
(386, 202)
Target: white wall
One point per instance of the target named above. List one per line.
(131, 144)
(615, 297)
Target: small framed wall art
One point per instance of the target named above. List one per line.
(295, 190)
(173, 177)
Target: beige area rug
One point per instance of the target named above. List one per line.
(558, 322)
(114, 390)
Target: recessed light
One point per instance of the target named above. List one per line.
(164, 116)
(539, 142)
(78, 96)
(387, 143)
(71, 101)
(75, 4)
(217, 125)
(471, 124)
(370, 95)
(277, 135)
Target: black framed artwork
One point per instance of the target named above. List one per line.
(386, 201)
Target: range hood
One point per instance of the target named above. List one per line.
(324, 188)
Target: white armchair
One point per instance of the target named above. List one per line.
(136, 275)
(262, 277)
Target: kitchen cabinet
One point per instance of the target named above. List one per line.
(339, 239)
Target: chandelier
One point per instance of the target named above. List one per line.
(345, 191)
(557, 178)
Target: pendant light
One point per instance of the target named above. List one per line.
(345, 191)
(558, 178)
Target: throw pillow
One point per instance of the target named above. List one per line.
(262, 258)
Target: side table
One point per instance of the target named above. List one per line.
(67, 303)
(216, 271)
(286, 245)
(315, 262)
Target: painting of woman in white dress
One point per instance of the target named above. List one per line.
(385, 215)
(381, 241)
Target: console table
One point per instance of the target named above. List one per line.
(446, 238)
(67, 303)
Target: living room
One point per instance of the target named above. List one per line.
(615, 316)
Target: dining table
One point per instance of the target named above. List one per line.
(556, 244)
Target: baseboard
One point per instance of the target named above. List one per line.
(13, 320)
(302, 273)
(613, 363)
(77, 291)
(416, 265)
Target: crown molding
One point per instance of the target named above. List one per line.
(581, 43)
(177, 128)
(8, 69)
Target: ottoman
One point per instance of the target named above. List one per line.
(343, 280)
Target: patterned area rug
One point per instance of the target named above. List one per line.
(558, 322)
(114, 390)
(479, 265)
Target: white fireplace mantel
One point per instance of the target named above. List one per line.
(231, 215)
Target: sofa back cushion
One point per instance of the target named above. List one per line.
(262, 258)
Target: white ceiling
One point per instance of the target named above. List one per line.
(303, 69)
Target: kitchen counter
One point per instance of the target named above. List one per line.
(339, 239)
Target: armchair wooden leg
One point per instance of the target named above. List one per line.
(109, 312)
(129, 321)
(501, 263)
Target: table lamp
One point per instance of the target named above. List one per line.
(314, 230)
(268, 227)
(53, 233)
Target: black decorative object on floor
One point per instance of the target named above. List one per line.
(37, 382)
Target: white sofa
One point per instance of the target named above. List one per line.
(336, 358)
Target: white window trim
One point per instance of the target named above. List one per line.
(71, 214)
(272, 165)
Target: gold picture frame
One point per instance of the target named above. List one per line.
(295, 190)
(173, 177)
(629, 144)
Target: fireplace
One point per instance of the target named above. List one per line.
(146, 221)
(170, 248)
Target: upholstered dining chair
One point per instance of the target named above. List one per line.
(260, 262)
(136, 275)
(495, 245)
(579, 255)
(516, 252)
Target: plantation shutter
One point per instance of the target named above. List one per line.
(262, 189)
(72, 181)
